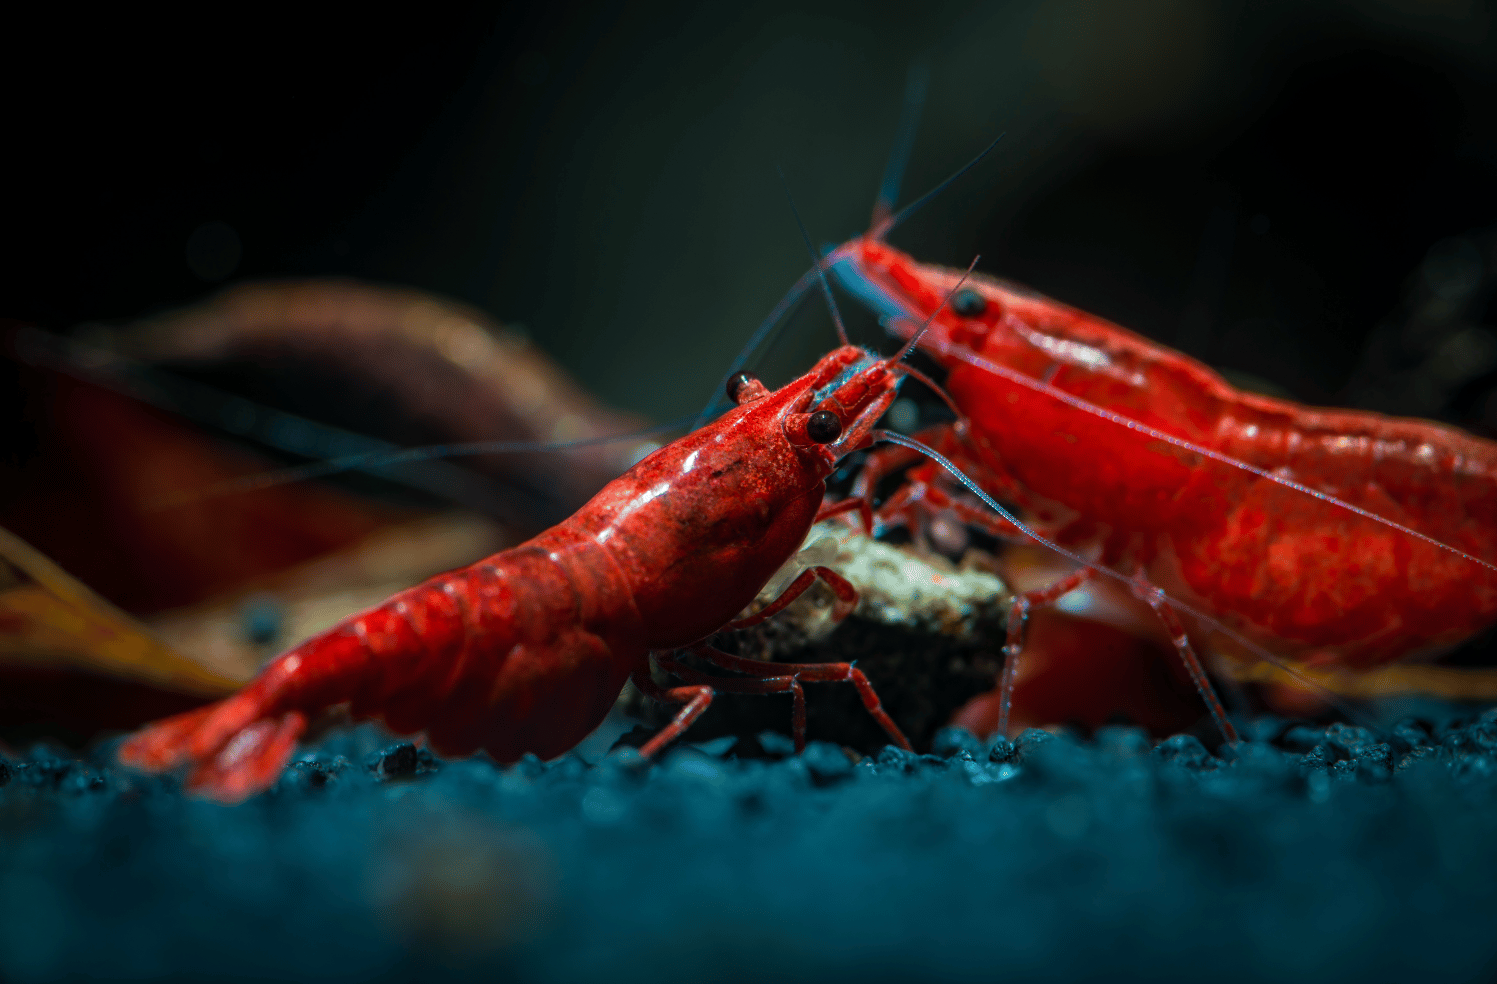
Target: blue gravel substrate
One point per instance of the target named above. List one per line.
(1313, 854)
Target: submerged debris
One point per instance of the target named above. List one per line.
(897, 586)
(926, 632)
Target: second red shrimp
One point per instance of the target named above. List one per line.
(527, 650)
(1154, 465)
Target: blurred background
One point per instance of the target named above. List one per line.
(1259, 184)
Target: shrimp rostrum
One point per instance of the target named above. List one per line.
(526, 650)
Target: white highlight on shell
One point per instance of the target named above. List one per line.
(637, 503)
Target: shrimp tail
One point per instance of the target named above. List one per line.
(239, 745)
(249, 760)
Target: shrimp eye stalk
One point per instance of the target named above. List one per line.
(745, 387)
(823, 427)
(806, 429)
(968, 303)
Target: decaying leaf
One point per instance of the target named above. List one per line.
(407, 366)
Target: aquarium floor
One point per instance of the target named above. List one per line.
(1312, 854)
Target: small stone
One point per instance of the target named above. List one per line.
(397, 760)
(1185, 751)
(895, 759)
(951, 741)
(1301, 738)
(1349, 739)
(776, 745)
(716, 747)
(1408, 735)
(1375, 764)
(1484, 731)
(826, 763)
(1123, 742)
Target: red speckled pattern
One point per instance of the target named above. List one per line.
(526, 650)
(1302, 576)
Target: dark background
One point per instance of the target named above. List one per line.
(1261, 184)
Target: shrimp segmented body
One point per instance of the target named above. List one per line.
(526, 650)
(1332, 537)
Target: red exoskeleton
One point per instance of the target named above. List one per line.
(1329, 537)
(527, 650)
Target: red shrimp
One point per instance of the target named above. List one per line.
(527, 650)
(1331, 537)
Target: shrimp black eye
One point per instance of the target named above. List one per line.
(969, 303)
(823, 427)
(737, 382)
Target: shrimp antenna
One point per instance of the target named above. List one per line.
(1217, 714)
(896, 361)
(917, 81)
(879, 231)
(791, 299)
(376, 461)
(337, 450)
(1086, 406)
(893, 176)
(910, 343)
(826, 287)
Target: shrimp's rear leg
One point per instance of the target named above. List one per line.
(1018, 621)
(251, 761)
(1142, 589)
(698, 697)
(771, 675)
(1155, 599)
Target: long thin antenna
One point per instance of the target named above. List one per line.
(916, 83)
(335, 449)
(826, 287)
(1087, 406)
(880, 231)
(375, 461)
(910, 343)
(791, 298)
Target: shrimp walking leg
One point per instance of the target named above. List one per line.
(1018, 620)
(811, 673)
(767, 685)
(847, 597)
(1155, 599)
(696, 698)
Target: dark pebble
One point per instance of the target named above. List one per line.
(1120, 742)
(1185, 751)
(827, 764)
(775, 744)
(401, 760)
(1408, 735)
(1302, 738)
(951, 741)
(896, 759)
(1484, 732)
